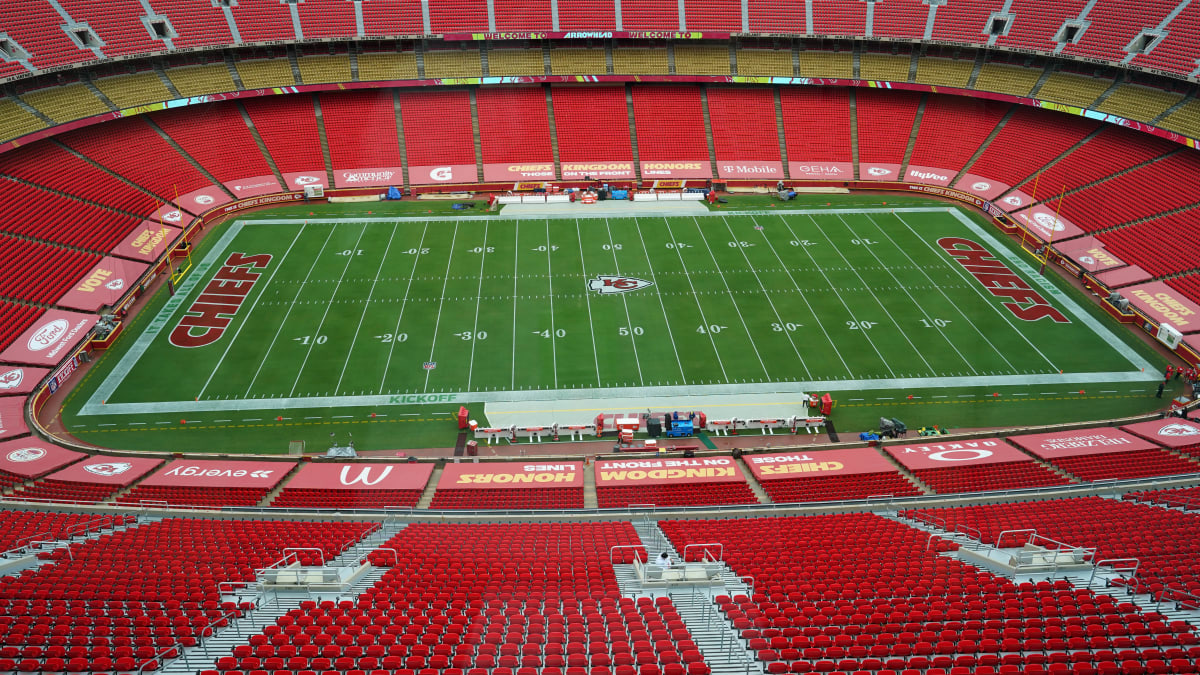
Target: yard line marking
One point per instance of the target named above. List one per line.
(1019, 394)
(325, 314)
(650, 266)
(766, 295)
(696, 297)
(879, 302)
(979, 291)
(625, 300)
(299, 290)
(920, 306)
(550, 289)
(136, 424)
(250, 312)
(441, 304)
(516, 265)
(478, 299)
(403, 304)
(588, 302)
(849, 312)
(803, 296)
(366, 308)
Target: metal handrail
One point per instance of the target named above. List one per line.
(753, 582)
(1000, 536)
(227, 587)
(719, 545)
(54, 544)
(388, 548)
(282, 561)
(631, 546)
(1109, 562)
(157, 658)
(292, 549)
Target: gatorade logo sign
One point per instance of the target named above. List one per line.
(441, 173)
(607, 284)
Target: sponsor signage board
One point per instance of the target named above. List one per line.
(493, 475)
(63, 374)
(957, 453)
(199, 201)
(50, 338)
(519, 171)
(981, 187)
(220, 473)
(253, 187)
(105, 284)
(1172, 432)
(1081, 442)
(696, 470)
(815, 464)
(599, 170)
(928, 175)
(1164, 305)
(16, 380)
(1089, 254)
(266, 200)
(31, 458)
(447, 173)
(814, 170)
(736, 168)
(680, 168)
(371, 177)
(879, 172)
(170, 214)
(1014, 200)
(590, 35)
(12, 417)
(147, 242)
(296, 181)
(116, 471)
(362, 476)
(1042, 223)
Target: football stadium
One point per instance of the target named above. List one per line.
(599, 337)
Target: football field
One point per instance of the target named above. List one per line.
(288, 314)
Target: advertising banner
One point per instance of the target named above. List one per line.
(199, 201)
(492, 475)
(31, 458)
(223, 473)
(1089, 254)
(736, 168)
(812, 170)
(378, 177)
(697, 470)
(957, 453)
(1013, 201)
(19, 379)
(398, 476)
(1081, 442)
(147, 242)
(519, 171)
(110, 279)
(1163, 304)
(981, 187)
(118, 471)
(12, 417)
(814, 464)
(683, 168)
(169, 214)
(298, 180)
(1171, 432)
(598, 170)
(266, 200)
(449, 173)
(928, 175)
(880, 172)
(50, 338)
(253, 187)
(1040, 220)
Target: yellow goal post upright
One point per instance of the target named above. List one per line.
(176, 274)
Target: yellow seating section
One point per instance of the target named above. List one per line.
(828, 64)
(375, 66)
(453, 63)
(1185, 120)
(127, 91)
(944, 72)
(63, 104)
(889, 67)
(16, 121)
(701, 59)
(1078, 90)
(324, 68)
(764, 62)
(266, 73)
(503, 62)
(198, 80)
(570, 61)
(1139, 103)
(636, 61)
(1005, 79)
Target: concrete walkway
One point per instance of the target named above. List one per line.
(605, 209)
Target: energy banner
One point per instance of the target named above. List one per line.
(492, 475)
(1081, 442)
(690, 471)
(958, 453)
(220, 473)
(845, 462)
(362, 476)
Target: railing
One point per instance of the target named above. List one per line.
(1113, 563)
(1030, 531)
(753, 582)
(181, 651)
(704, 547)
(626, 546)
(394, 552)
(297, 549)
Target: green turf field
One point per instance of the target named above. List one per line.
(409, 317)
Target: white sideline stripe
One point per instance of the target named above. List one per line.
(550, 289)
(584, 215)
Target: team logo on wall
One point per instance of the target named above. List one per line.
(1178, 430)
(115, 285)
(1049, 222)
(1013, 200)
(982, 186)
(26, 455)
(109, 469)
(307, 180)
(878, 171)
(173, 216)
(204, 199)
(12, 378)
(606, 284)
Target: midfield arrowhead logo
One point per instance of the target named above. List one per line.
(606, 284)
(109, 469)
(1178, 430)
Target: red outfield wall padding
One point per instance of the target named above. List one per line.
(110, 279)
(121, 471)
(448, 173)
(1163, 304)
(846, 462)
(32, 458)
(51, 339)
(370, 177)
(1171, 432)
(958, 453)
(220, 473)
(610, 472)
(19, 379)
(253, 186)
(491, 475)
(362, 477)
(147, 241)
(1081, 442)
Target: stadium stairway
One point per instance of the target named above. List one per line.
(755, 486)
(912, 136)
(354, 555)
(431, 487)
(590, 501)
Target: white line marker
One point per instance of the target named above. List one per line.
(441, 304)
(478, 301)
(403, 305)
(366, 308)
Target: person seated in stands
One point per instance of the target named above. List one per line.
(663, 560)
